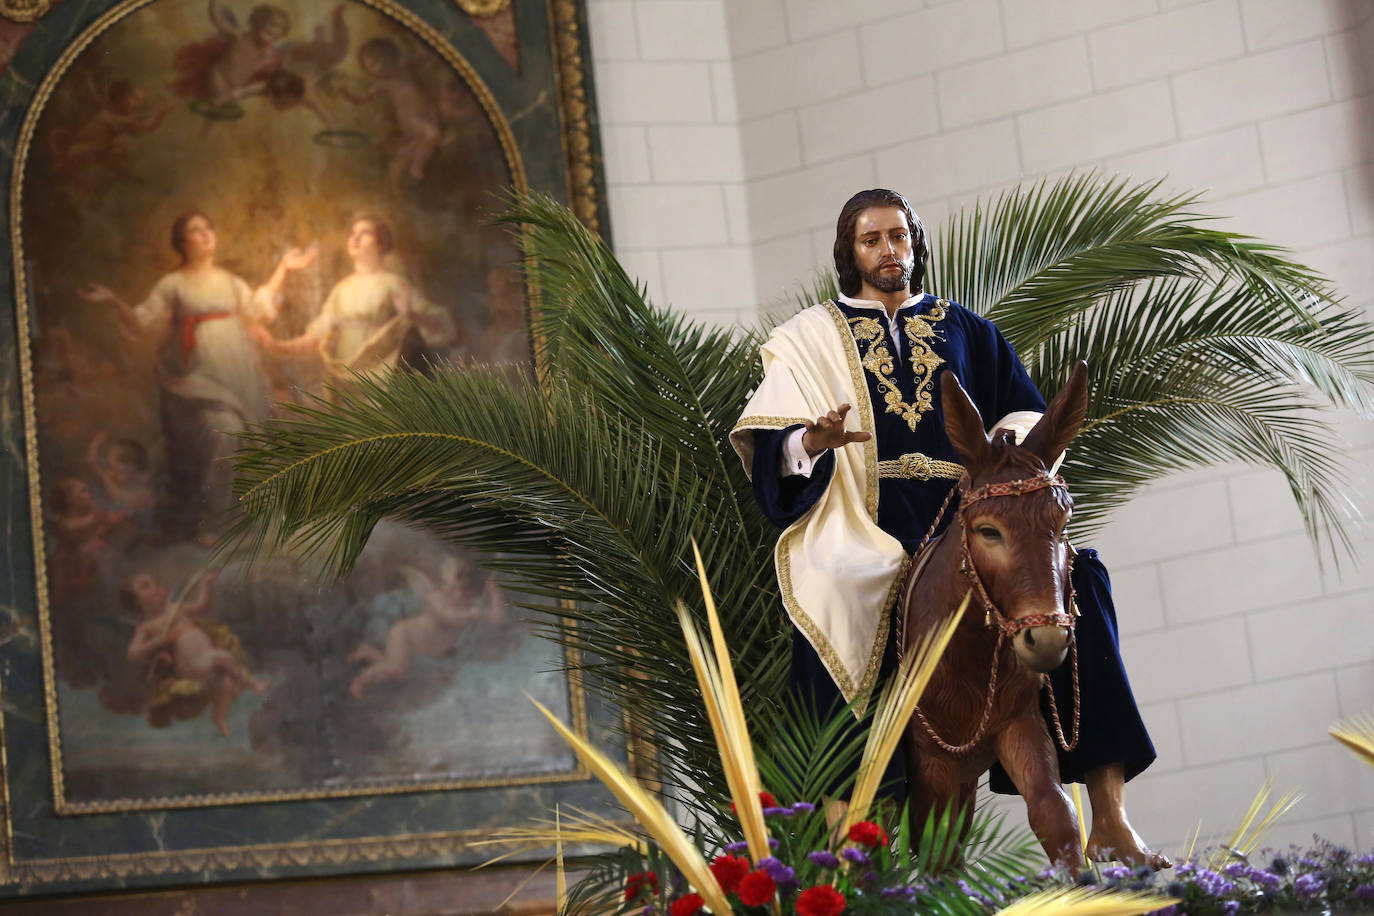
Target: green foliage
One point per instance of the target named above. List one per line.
(1204, 346)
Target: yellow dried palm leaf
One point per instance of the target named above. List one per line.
(650, 813)
(521, 886)
(1357, 733)
(561, 881)
(1082, 827)
(725, 711)
(1085, 901)
(576, 828)
(895, 709)
(1247, 835)
(1192, 842)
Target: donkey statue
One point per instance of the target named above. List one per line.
(1006, 545)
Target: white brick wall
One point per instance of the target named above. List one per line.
(734, 129)
(675, 173)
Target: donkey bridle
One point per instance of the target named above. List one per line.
(993, 618)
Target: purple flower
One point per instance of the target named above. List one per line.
(1170, 910)
(824, 858)
(1266, 879)
(851, 854)
(1364, 892)
(976, 895)
(1308, 886)
(740, 846)
(1231, 907)
(1116, 872)
(1366, 859)
(906, 893)
(780, 873)
(773, 810)
(802, 808)
(648, 910)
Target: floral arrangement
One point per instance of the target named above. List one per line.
(1322, 878)
(819, 882)
(793, 857)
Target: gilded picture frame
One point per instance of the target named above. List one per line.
(163, 719)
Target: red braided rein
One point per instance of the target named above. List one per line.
(994, 618)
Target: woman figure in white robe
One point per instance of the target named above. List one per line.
(207, 369)
(365, 319)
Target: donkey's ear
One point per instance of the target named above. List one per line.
(1062, 420)
(962, 423)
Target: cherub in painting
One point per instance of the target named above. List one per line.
(192, 659)
(98, 140)
(123, 468)
(462, 598)
(77, 520)
(409, 102)
(239, 62)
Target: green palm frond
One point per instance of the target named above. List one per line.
(1203, 346)
(587, 488)
(1035, 257)
(587, 485)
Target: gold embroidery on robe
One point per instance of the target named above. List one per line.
(920, 331)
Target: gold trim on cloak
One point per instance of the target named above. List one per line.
(783, 552)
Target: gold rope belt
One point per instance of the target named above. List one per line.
(915, 466)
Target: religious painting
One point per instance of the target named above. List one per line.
(218, 210)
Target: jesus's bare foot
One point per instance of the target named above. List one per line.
(1122, 843)
(1112, 835)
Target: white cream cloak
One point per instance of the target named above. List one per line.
(837, 569)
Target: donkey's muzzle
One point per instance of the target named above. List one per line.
(1041, 649)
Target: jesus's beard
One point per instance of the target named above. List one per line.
(888, 281)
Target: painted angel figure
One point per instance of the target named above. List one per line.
(120, 112)
(450, 608)
(410, 102)
(242, 61)
(193, 660)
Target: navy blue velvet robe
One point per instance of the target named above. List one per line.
(998, 384)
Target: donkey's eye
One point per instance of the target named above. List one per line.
(989, 533)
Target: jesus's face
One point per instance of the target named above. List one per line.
(883, 251)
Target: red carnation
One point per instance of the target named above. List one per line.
(822, 900)
(686, 905)
(729, 871)
(765, 798)
(867, 833)
(639, 882)
(756, 888)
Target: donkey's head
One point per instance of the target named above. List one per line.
(1013, 516)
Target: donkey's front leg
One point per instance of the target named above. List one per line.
(940, 791)
(1027, 754)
